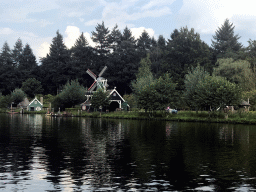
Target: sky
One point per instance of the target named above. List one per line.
(36, 21)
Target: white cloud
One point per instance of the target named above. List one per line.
(136, 32)
(43, 49)
(207, 15)
(122, 12)
(44, 23)
(88, 38)
(157, 3)
(72, 33)
(6, 31)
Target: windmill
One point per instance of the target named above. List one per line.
(99, 82)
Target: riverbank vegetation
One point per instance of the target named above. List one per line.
(181, 72)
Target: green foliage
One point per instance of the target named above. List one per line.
(8, 75)
(73, 93)
(131, 100)
(17, 53)
(251, 95)
(48, 98)
(217, 92)
(5, 101)
(225, 39)
(17, 96)
(100, 98)
(102, 38)
(203, 90)
(144, 75)
(185, 50)
(27, 63)
(157, 95)
(238, 72)
(56, 66)
(192, 79)
(144, 43)
(32, 87)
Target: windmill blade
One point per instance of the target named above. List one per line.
(91, 74)
(102, 71)
(93, 86)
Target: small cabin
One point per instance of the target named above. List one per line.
(116, 101)
(35, 105)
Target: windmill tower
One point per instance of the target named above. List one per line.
(99, 81)
(116, 99)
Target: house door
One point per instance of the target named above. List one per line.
(32, 109)
(113, 106)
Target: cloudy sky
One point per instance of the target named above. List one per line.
(36, 21)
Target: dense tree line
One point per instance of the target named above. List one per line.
(169, 58)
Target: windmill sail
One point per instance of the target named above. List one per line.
(99, 82)
(91, 74)
(92, 86)
(102, 71)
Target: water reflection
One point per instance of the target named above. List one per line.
(41, 153)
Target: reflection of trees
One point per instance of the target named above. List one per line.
(79, 152)
(15, 148)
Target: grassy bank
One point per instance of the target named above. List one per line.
(186, 116)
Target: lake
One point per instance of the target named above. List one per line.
(41, 153)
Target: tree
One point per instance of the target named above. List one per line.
(123, 63)
(185, 49)
(203, 90)
(192, 79)
(115, 38)
(82, 58)
(215, 92)
(32, 87)
(144, 44)
(8, 76)
(17, 96)
(225, 39)
(27, 63)
(102, 38)
(73, 93)
(238, 72)
(144, 76)
(157, 55)
(251, 54)
(100, 99)
(157, 95)
(17, 53)
(56, 66)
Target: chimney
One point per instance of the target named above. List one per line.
(42, 100)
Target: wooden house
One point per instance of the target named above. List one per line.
(35, 105)
(116, 101)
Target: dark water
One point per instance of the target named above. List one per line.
(39, 153)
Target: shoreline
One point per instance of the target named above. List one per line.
(182, 116)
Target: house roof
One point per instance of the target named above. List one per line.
(36, 100)
(114, 90)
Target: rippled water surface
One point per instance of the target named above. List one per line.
(39, 153)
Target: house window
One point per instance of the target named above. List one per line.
(35, 102)
(114, 94)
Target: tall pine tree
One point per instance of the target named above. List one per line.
(82, 57)
(123, 63)
(8, 76)
(144, 44)
(17, 53)
(56, 66)
(225, 40)
(27, 63)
